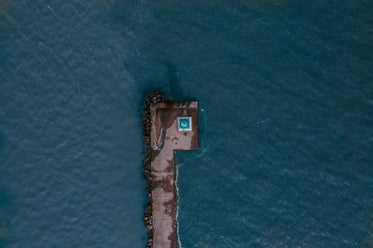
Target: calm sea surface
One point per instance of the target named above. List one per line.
(286, 121)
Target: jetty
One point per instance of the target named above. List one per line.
(173, 126)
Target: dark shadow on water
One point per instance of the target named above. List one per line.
(169, 84)
(173, 89)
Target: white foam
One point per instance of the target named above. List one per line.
(177, 204)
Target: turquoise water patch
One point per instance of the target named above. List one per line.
(185, 123)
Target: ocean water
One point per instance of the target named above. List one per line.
(286, 126)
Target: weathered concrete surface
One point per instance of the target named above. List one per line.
(165, 139)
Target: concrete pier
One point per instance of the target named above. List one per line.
(173, 127)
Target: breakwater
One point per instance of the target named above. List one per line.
(167, 126)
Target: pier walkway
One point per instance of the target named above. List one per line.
(173, 127)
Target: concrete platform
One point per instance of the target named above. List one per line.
(167, 135)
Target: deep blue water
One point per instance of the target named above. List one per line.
(286, 125)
